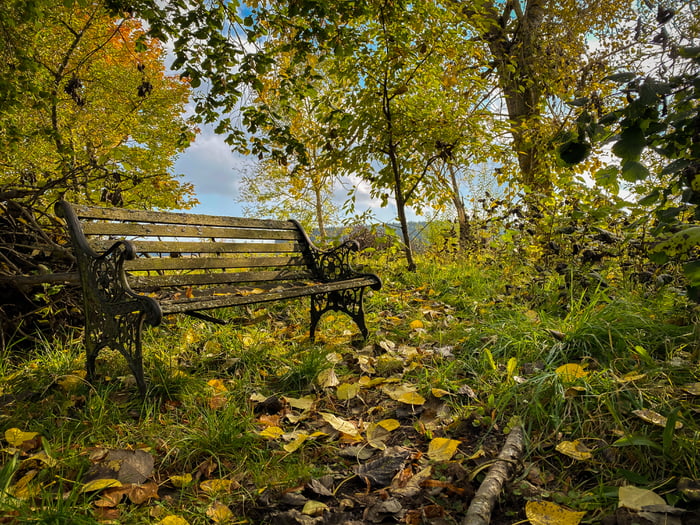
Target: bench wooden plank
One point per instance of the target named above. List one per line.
(121, 229)
(210, 263)
(201, 247)
(95, 212)
(184, 304)
(200, 279)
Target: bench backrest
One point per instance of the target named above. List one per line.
(185, 250)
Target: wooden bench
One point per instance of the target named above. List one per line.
(137, 266)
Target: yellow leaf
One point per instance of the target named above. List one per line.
(439, 392)
(181, 481)
(442, 449)
(574, 449)
(295, 443)
(548, 513)
(416, 324)
(173, 520)
(340, 424)
(16, 437)
(42, 457)
(219, 513)
(99, 484)
(272, 432)
(218, 485)
(302, 403)
(347, 391)
(570, 372)
(218, 385)
(22, 489)
(313, 508)
(376, 435)
(389, 424)
(70, 382)
(631, 376)
(655, 418)
(635, 498)
(411, 398)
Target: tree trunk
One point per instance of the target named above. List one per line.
(319, 214)
(465, 231)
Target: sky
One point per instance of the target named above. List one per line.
(215, 170)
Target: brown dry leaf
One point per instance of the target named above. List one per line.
(139, 494)
(574, 449)
(548, 513)
(219, 513)
(218, 401)
(327, 378)
(655, 418)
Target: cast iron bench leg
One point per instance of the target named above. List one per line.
(346, 301)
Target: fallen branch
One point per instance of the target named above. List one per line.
(480, 508)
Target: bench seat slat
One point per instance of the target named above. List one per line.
(121, 229)
(209, 263)
(117, 214)
(240, 297)
(200, 279)
(202, 247)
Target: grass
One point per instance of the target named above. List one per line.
(486, 353)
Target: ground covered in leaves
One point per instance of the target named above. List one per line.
(255, 424)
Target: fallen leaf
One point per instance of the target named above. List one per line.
(327, 378)
(272, 433)
(340, 424)
(411, 398)
(347, 391)
(417, 324)
(219, 513)
(635, 498)
(655, 418)
(314, 508)
(442, 449)
(570, 372)
(389, 424)
(574, 449)
(439, 392)
(304, 403)
(99, 484)
(548, 513)
(22, 440)
(376, 435)
(294, 445)
(181, 481)
(219, 485)
(218, 385)
(173, 520)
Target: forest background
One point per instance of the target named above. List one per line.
(559, 135)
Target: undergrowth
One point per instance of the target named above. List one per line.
(491, 341)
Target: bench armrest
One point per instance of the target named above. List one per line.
(102, 275)
(334, 264)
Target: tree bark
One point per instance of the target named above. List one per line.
(480, 508)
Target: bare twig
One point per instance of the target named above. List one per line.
(480, 508)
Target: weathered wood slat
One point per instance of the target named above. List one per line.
(119, 214)
(201, 279)
(210, 263)
(122, 229)
(202, 247)
(182, 305)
